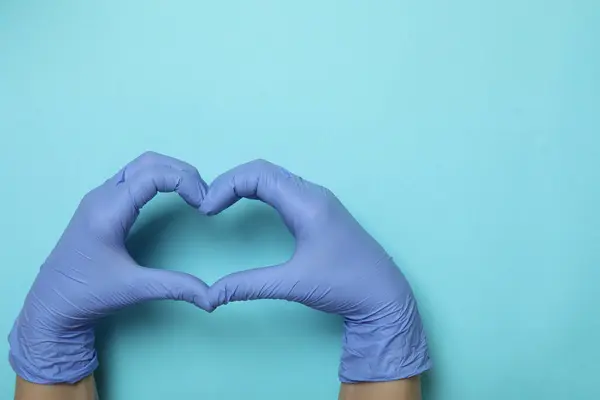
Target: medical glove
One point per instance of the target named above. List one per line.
(90, 274)
(337, 267)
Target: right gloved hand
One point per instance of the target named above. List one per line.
(90, 274)
(337, 267)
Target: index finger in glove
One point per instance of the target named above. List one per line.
(121, 197)
(289, 194)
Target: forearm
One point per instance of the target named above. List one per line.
(82, 390)
(403, 389)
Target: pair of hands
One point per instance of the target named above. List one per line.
(337, 267)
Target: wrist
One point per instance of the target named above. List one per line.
(46, 356)
(384, 349)
(82, 390)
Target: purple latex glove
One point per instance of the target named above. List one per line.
(337, 267)
(89, 273)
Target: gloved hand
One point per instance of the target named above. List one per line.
(89, 273)
(337, 267)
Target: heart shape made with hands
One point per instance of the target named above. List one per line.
(337, 267)
(334, 263)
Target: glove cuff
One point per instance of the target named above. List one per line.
(386, 349)
(46, 358)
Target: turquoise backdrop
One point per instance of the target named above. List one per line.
(464, 134)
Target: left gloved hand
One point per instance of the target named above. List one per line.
(337, 267)
(89, 273)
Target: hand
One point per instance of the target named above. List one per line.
(337, 267)
(89, 273)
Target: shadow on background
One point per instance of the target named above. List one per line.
(258, 225)
(428, 387)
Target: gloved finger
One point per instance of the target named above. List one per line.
(156, 284)
(146, 183)
(151, 159)
(140, 188)
(275, 282)
(257, 179)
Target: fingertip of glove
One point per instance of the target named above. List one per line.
(206, 210)
(204, 305)
(211, 309)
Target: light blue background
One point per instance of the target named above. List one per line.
(463, 134)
